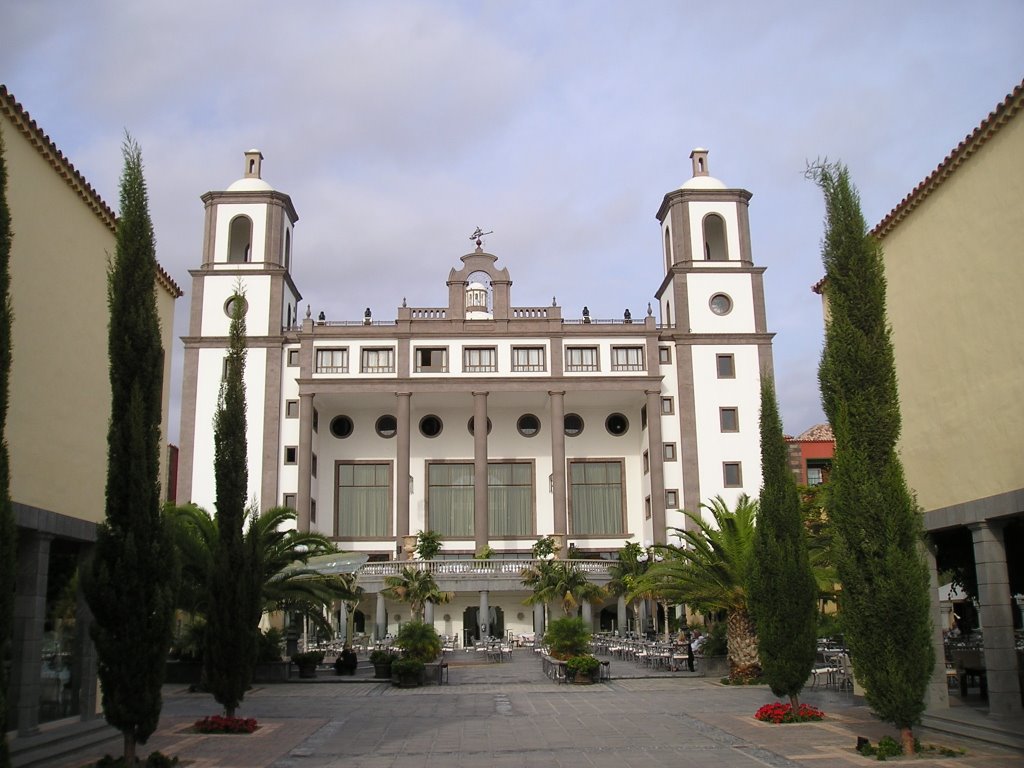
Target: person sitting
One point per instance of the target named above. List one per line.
(697, 642)
(346, 662)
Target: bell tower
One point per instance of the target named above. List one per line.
(712, 306)
(247, 245)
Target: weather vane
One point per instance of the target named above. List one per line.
(478, 234)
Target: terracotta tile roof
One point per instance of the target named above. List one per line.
(819, 433)
(996, 119)
(28, 127)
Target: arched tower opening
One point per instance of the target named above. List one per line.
(240, 240)
(668, 249)
(714, 238)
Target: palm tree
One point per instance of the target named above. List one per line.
(633, 562)
(560, 580)
(415, 587)
(286, 585)
(710, 572)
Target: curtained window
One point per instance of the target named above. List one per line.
(364, 500)
(596, 497)
(450, 499)
(510, 499)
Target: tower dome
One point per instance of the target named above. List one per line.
(476, 301)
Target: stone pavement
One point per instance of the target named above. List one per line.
(509, 714)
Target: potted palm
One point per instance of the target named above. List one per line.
(307, 662)
(582, 670)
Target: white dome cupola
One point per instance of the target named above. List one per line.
(476, 302)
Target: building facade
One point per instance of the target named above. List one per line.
(489, 423)
(64, 234)
(810, 455)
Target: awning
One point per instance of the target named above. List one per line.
(329, 565)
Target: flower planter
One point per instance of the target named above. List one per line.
(307, 670)
(382, 671)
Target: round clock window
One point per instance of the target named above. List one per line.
(721, 304)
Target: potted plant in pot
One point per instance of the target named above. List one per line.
(582, 669)
(382, 660)
(418, 641)
(408, 672)
(307, 662)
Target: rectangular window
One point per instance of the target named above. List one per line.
(332, 360)
(431, 360)
(671, 498)
(647, 508)
(528, 359)
(312, 510)
(815, 476)
(479, 360)
(291, 409)
(668, 406)
(643, 417)
(596, 497)
(378, 360)
(293, 358)
(581, 359)
(290, 500)
(316, 420)
(647, 462)
(729, 419)
(291, 454)
(732, 474)
(665, 355)
(669, 451)
(627, 358)
(314, 465)
(363, 504)
(450, 499)
(726, 366)
(510, 498)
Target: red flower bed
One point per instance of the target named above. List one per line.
(221, 724)
(777, 712)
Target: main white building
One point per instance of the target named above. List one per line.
(595, 431)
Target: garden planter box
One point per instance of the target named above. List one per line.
(712, 666)
(271, 672)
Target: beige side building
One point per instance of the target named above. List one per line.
(63, 240)
(955, 301)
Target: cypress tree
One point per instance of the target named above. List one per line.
(131, 582)
(234, 601)
(884, 603)
(782, 591)
(8, 530)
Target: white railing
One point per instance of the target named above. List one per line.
(492, 566)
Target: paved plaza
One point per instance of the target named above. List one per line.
(509, 715)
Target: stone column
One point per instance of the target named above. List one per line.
(381, 628)
(29, 616)
(305, 459)
(558, 466)
(84, 672)
(402, 491)
(937, 696)
(588, 615)
(538, 621)
(483, 618)
(343, 624)
(428, 613)
(657, 456)
(620, 614)
(480, 524)
(995, 608)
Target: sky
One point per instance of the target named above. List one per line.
(398, 127)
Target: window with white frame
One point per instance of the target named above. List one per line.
(378, 360)
(479, 360)
(528, 359)
(431, 360)
(627, 358)
(579, 359)
(332, 360)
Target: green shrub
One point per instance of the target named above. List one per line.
(308, 658)
(407, 668)
(567, 637)
(382, 656)
(269, 646)
(716, 644)
(582, 667)
(418, 641)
